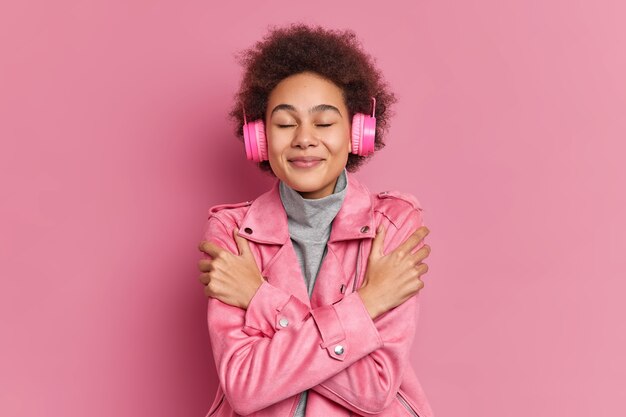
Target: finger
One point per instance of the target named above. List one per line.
(379, 239)
(204, 265)
(242, 243)
(413, 240)
(205, 279)
(421, 254)
(421, 268)
(210, 249)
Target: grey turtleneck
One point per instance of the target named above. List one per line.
(310, 222)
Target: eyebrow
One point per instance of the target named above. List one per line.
(314, 109)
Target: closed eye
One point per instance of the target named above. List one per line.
(284, 126)
(325, 125)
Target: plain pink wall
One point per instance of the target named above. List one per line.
(510, 129)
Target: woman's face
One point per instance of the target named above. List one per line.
(308, 133)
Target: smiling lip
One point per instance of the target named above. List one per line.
(305, 161)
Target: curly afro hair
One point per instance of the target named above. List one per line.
(333, 54)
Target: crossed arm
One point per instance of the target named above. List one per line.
(374, 326)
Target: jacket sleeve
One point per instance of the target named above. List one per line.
(370, 385)
(260, 364)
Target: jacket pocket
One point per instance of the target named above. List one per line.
(408, 407)
(217, 407)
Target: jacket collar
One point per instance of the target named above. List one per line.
(266, 219)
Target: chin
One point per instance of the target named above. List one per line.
(304, 181)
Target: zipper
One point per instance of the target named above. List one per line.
(406, 405)
(295, 407)
(212, 413)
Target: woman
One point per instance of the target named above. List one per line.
(312, 286)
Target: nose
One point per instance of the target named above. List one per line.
(304, 137)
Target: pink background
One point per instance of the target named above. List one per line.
(510, 130)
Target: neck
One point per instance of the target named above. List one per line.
(324, 192)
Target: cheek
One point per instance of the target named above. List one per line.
(275, 151)
(273, 144)
(341, 144)
(348, 139)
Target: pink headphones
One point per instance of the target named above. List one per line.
(363, 133)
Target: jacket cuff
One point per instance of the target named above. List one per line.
(272, 309)
(346, 328)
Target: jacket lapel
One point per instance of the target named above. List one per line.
(355, 219)
(353, 223)
(266, 224)
(266, 219)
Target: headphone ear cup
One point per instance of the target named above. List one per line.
(357, 132)
(254, 140)
(363, 134)
(261, 140)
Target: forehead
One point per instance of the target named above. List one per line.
(306, 90)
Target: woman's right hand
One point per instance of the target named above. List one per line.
(392, 279)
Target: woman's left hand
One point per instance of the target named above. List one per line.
(232, 279)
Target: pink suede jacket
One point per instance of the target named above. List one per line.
(285, 343)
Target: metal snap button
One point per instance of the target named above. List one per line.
(365, 229)
(339, 350)
(283, 322)
(248, 230)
